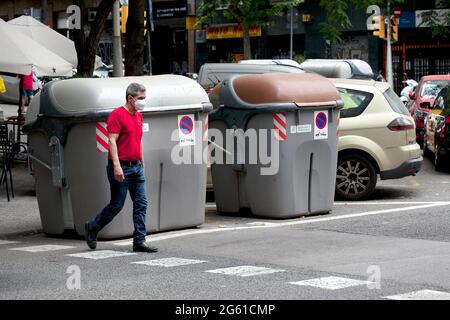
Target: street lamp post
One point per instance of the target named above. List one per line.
(117, 43)
(389, 76)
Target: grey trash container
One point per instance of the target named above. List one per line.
(67, 149)
(289, 103)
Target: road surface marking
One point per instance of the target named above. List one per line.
(7, 242)
(421, 295)
(245, 271)
(360, 203)
(43, 248)
(260, 223)
(331, 283)
(169, 262)
(178, 234)
(101, 254)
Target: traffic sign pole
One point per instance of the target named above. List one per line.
(389, 76)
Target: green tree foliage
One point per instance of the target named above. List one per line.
(337, 14)
(87, 38)
(245, 12)
(438, 21)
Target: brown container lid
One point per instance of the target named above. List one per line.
(303, 89)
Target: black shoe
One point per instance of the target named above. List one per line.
(91, 237)
(143, 247)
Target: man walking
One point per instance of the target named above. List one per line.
(125, 169)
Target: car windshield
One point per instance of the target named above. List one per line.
(430, 89)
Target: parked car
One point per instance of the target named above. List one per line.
(422, 98)
(437, 130)
(377, 137)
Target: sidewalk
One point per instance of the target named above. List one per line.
(21, 215)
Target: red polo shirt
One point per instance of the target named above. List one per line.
(129, 128)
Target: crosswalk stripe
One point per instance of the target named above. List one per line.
(169, 262)
(100, 254)
(245, 271)
(43, 248)
(331, 283)
(7, 242)
(421, 295)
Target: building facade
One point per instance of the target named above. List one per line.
(415, 54)
(177, 49)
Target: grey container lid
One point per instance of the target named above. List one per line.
(89, 95)
(63, 103)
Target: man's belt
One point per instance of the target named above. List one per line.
(127, 163)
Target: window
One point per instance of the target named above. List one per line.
(430, 89)
(355, 102)
(445, 94)
(395, 103)
(439, 103)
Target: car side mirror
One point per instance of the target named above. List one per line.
(425, 105)
(412, 95)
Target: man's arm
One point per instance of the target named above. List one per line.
(118, 172)
(142, 153)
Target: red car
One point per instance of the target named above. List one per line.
(422, 98)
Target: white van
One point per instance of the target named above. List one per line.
(211, 74)
(337, 68)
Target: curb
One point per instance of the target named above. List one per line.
(5, 236)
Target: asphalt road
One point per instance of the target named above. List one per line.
(396, 243)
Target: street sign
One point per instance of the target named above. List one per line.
(320, 125)
(321, 120)
(397, 12)
(186, 124)
(186, 130)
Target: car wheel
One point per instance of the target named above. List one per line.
(439, 164)
(356, 177)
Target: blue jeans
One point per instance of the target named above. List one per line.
(134, 182)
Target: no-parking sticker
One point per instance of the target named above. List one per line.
(320, 125)
(186, 130)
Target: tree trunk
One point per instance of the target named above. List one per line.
(87, 38)
(134, 39)
(247, 47)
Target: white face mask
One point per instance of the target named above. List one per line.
(139, 104)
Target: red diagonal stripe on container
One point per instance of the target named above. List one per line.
(282, 135)
(103, 143)
(101, 136)
(276, 134)
(102, 127)
(278, 119)
(205, 135)
(279, 135)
